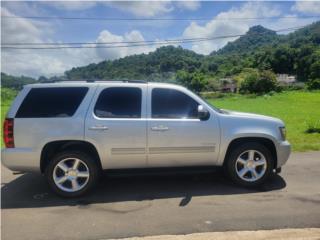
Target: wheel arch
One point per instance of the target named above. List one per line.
(52, 148)
(262, 140)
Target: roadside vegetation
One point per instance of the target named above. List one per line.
(298, 109)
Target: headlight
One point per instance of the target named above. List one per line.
(283, 133)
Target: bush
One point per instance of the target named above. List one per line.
(313, 126)
(313, 84)
(260, 83)
(194, 81)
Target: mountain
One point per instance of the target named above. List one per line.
(259, 48)
(256, 37)
(155, 66)
(297, 53)
(15, 82)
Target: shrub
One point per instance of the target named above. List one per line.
(313, 126)
(259, 83)
(313, 84)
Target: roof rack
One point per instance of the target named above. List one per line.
(93, 81)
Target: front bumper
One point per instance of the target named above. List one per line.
(21, 159)
(283, 153)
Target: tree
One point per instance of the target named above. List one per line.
(259, 83)
(313, 84)
(194, 81)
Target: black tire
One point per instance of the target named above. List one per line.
(85, 158)
(230, 164)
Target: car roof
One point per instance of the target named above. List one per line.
(95, 83)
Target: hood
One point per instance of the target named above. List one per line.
(252, 116)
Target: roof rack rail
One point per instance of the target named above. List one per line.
(92, 81)
(134, 81)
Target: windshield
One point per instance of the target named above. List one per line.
(212, 106)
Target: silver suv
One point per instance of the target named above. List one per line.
(70, 131)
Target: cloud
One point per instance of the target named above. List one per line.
(22, 30)
(188, 5)
(218, 26)
(306, 7)
(55, 62)
(143, 8)
(71, 5)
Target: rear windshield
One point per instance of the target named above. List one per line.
(51, 102)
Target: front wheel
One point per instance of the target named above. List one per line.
(72, 174)
(249, 164)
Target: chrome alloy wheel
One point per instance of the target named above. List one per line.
(251, 165)
(71, 174)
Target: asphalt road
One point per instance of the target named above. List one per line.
(154, 205)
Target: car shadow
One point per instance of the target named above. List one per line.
(32, 191)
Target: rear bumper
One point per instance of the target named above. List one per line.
(283, 153)
(21, 159)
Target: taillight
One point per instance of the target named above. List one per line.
(8, 133)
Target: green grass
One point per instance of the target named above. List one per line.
(298, 109)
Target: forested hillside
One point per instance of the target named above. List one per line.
(297, 53)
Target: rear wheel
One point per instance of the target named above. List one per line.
(72, 174)
(249, 164)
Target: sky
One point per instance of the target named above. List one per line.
(48, 63)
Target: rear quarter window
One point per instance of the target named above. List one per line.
(51, 102)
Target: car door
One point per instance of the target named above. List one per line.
(176, 136)
(116, 124)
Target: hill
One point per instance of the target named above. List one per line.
(256, 37)
(155, 66)
(259, 48)
(297, 53)
(12, 82)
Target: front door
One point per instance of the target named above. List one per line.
(116, 123)
(176, 136)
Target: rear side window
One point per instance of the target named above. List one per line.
(51, 102)
(119, 102)
(170, 103)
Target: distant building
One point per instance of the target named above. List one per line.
(286, 79)
(228, 85)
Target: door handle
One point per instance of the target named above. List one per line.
(160, 128)
(98, 127)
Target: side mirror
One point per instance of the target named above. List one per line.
(203, 113)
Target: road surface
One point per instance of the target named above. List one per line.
(156, 205)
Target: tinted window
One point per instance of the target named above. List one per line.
(119, 102)
(51, 102)
(169, 103)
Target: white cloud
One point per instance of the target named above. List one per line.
(19, 30)
(71, 5)
(55, 62)
(218, 27)
(114, 53)
(189, 5)
(143, 8)
(307, 7)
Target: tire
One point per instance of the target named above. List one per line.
(249, 173)
(72, 173)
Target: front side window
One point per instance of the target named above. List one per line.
(170, 103)
(119, 102)
(51, 102)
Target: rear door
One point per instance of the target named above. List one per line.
(176, 136)
(116, 124)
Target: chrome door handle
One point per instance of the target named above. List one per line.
(98, 127)
(160, 128)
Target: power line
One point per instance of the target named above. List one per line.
(151, 19)
(129, 42)
(132, 43)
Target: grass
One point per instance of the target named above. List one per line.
(300, 110)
